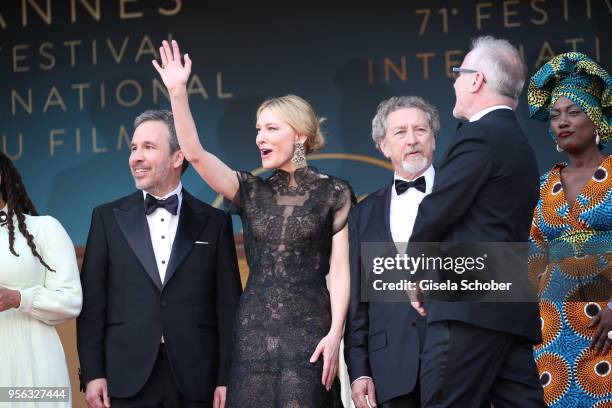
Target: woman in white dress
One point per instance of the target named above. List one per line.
(39, 288)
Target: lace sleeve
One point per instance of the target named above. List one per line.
(343, 200)
(246, 183)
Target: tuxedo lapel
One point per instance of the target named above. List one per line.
(189, 227)
(386, 203)
(380, 210)
(133, 223)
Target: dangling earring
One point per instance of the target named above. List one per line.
(597, 140)
(560, 150)
(299, 155)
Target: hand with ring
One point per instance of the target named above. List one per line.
(172, 71)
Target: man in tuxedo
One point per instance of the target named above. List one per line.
(160, 286)
(486, 189)
(383, 339)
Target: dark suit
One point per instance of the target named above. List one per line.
(126, 308)
(485, 191)
(382, 339)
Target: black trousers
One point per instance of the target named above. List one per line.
(467, 366)
(411, 400)
(160, 390)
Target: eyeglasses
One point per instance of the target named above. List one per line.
(458, 70)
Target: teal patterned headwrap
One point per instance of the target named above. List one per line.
(579, 79)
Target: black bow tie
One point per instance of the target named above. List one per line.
(151, 204)
(402, 185)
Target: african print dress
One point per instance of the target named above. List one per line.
(571, 260)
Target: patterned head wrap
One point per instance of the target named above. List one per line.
(579, 79)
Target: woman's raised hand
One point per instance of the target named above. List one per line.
(172, 70)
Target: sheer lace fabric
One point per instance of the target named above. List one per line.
(288, 222)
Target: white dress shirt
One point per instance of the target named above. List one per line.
(404, 209)
(163, 226)
(483, 112)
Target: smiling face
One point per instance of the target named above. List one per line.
(154, 167)
(409, 142)
(573, 129)
(276, 140)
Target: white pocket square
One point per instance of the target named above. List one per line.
(201, 242)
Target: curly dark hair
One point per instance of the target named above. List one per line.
(18, 204)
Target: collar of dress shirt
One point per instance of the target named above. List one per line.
(429, 179)
(178, 191)
(483, 112)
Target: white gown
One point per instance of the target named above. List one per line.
(31, 354)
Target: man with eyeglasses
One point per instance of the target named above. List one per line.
(485, 191)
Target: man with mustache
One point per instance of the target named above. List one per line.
(383, 339)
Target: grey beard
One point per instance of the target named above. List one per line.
(415, 166)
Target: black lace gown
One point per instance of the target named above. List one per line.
(288, 222)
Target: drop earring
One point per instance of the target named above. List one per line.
(299, 155)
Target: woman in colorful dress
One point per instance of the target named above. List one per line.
(288, 326)
(571, 234)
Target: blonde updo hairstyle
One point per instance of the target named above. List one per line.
(300, 116)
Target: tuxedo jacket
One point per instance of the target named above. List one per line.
(127, 309)
(486, 189)
(382, 339)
